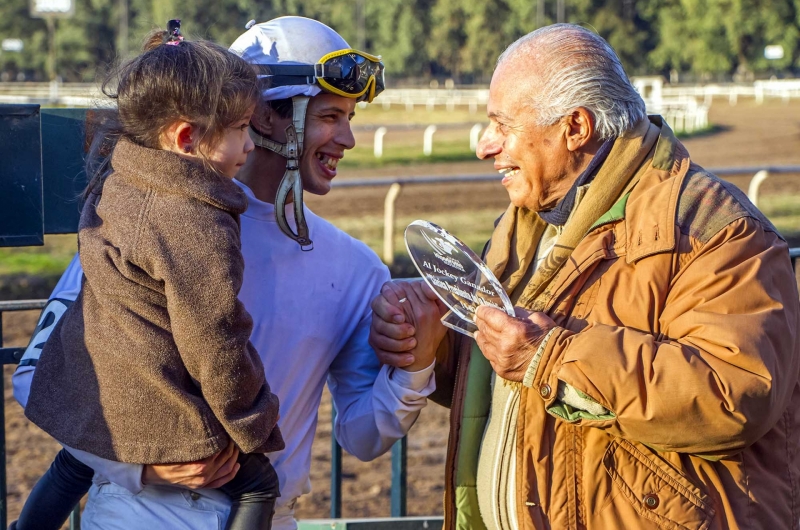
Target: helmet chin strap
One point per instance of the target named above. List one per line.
(291, 181)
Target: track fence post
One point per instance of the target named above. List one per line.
(755, 183)
(388, 222)
(399, 453)
(474, 136)
(336, 469)
(377, 147)
(75, 518)
(427, 140)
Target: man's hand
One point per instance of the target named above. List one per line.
(211, 472)
(509, 343)
(406, 327)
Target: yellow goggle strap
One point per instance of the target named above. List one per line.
(370, 86)
(339, 53)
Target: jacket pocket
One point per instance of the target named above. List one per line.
(657, 493)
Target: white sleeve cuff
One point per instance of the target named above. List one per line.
(416, 381)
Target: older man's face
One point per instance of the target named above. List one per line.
(534, 160)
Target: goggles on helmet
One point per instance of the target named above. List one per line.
(347, 73)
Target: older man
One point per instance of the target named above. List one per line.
(650, 377)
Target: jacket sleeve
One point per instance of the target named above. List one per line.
(375, 405)
(721, 372)
(201, 268)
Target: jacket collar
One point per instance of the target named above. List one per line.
(651, 206)
(559, 215)
(168, 172)
(519, 231)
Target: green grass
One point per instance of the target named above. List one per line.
(50, 259)
(697, 133)
(408, 153)
(405, 148)
(402, 148)
(375, 114)
(473, 227)
(783, 211)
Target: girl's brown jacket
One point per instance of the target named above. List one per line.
(153, 363)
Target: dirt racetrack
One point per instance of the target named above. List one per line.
(749, 135)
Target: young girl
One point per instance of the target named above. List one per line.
(152, 363)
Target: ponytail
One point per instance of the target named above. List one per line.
(172, 36)
(154, 39)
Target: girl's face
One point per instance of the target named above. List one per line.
(231, 152)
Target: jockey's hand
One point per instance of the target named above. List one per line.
(210, 472)
(406, 327)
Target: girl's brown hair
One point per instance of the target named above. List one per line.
(194, 81)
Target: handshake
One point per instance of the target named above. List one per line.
(406, 330)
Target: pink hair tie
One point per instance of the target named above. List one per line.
(174, 36)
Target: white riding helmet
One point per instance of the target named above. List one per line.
(302, 57)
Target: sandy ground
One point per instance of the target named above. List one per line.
(750, 136)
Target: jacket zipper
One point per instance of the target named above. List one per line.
(577, 459)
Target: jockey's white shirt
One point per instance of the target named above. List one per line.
(311, 314)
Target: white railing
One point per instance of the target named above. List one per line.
(653, 89)
(53, 93)
(678, 104)
(431, 98)
(683, 114)
(680, 110)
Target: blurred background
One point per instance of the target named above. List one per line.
(422, 40)
(722, 72)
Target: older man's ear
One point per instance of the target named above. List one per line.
(579, 130)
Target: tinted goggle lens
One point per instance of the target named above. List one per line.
(355, 74)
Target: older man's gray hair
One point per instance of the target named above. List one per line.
(574, 67)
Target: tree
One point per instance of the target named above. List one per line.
(448, 36)
(16, 23)
(724, 36)
(625, 24)
(486, 36)
(458, 38)
(401, 36)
